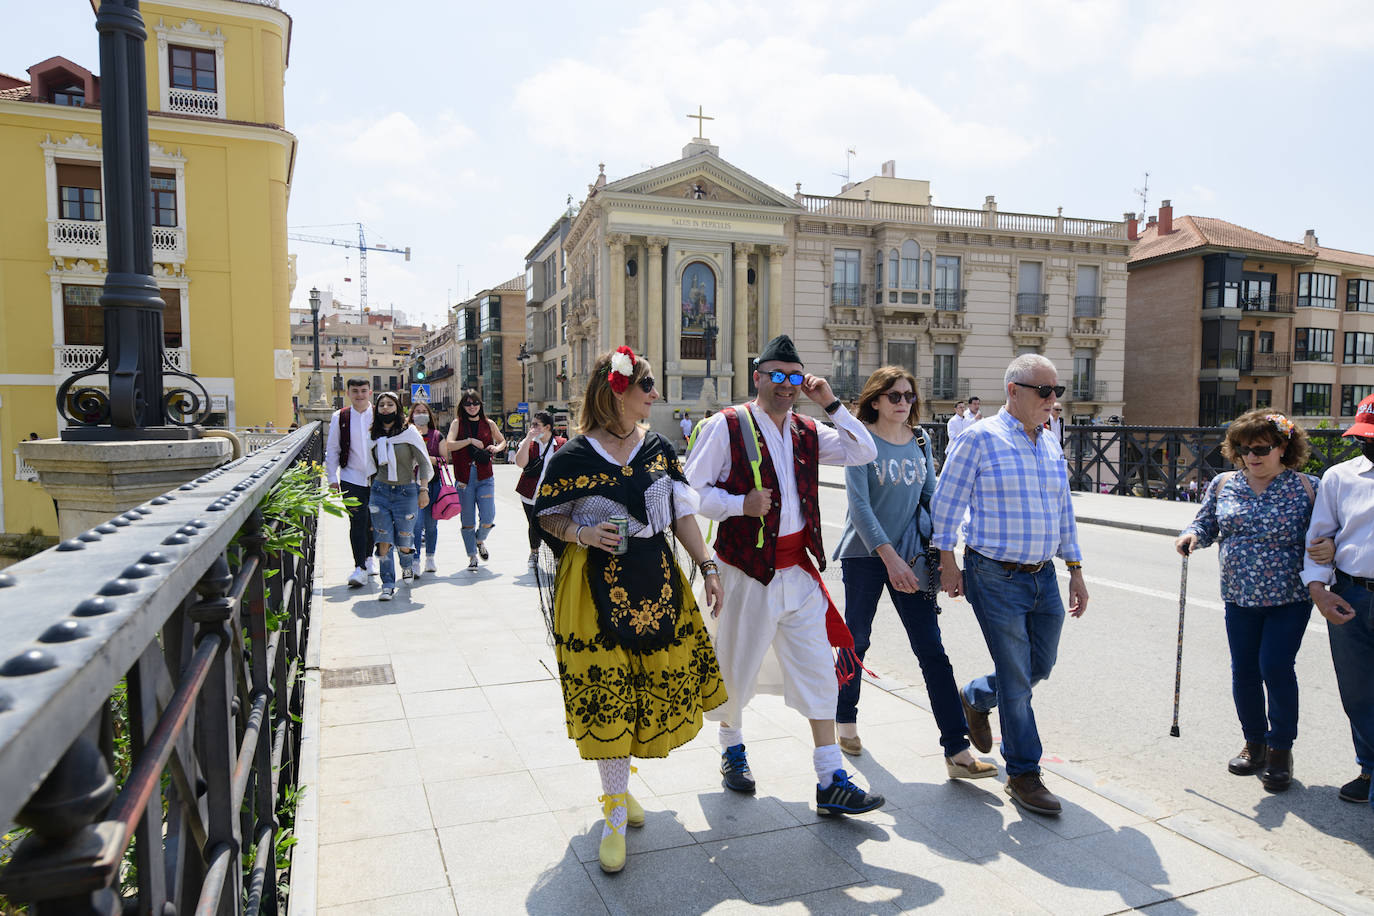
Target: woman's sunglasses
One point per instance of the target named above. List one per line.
(472, 403)
(897, 397)
(1259, 451)
(646, 384)
(794, 378)
(1044, 390)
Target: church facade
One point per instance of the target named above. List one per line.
(696, 264)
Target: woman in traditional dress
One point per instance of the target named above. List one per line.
(472, 439)
(634, 659)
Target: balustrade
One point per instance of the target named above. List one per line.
(180, 630)
(698, 347)
(956, 217)
(193, 101)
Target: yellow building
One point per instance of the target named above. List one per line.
(221, 168)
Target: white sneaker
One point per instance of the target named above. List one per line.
(387, 594)
(372, 566)
(472, 564)
(407, 573)
(357, 578)
(429, 563)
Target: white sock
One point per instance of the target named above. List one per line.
(615, 780)
(847, 729)
(729, 737)
(827, 759)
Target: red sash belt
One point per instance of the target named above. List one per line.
(792, 552)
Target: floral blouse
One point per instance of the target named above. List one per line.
(1262, 537)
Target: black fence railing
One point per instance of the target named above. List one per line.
(950, 300)
(848, 295)
(1088, 306)
(1278, 303)
(150, 699)
(1032, 303)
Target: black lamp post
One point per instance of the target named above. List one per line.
(136, 406)
(523, 357)
(338, 376)
(316, 384)
(709, 330)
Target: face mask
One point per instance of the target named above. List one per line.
(1367, 449)
(420, 418)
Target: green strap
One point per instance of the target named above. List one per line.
(756, 464)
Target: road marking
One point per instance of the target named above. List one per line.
(1142, 590)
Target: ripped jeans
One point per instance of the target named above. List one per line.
(479, 503)
(394, 508)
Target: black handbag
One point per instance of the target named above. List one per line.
(913, 546)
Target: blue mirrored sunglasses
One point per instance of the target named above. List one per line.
(777, 378)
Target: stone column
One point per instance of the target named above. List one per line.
(615, 309)
(740, 351)
(775, 254)
(653, 335)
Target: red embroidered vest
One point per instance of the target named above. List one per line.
(462, 459)
(737, 540)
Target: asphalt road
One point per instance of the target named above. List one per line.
(1107, 707)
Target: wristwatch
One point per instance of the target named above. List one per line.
(833, 406)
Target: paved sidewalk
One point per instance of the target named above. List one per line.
(455, 789)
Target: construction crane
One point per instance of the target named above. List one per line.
(361, 245)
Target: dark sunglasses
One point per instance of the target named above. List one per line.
(897, 397)
(1044, 390)
(1258, 450)
(646, 384)
(472, 403)
(777, 378)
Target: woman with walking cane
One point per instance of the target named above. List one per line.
(1259, 515)
(885, 544)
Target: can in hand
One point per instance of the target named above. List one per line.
(622, 527)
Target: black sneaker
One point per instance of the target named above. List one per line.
(1357, 790)
(482, 550)
(843, 797)
(735, 768)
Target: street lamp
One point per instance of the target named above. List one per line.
(523, 357)
(316, 382)
(338, 376)
(709, 330)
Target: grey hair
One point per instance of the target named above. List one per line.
(1024, 365)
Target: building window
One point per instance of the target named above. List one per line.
(164, 198)
(1351, 396)
(1359, 348)
(1266, 342)
(192, 68)
(944, 378)
(1257, 293)
(1245, 351)
(1029, 301)
(1315, 345)
(925, 270)
(902, 353)
(1264, 397)
(1317, 291)
(911, 265)
(844, 286)
(83, 321)
(844, 366)
(892, 274)
(1216, 402)
(1243, 400)
(489, 314)
(878, 271)
(1219, 337)
(1359, 295)
(80, 203)
(73, 95)
(1083, 375)
(1311, 400)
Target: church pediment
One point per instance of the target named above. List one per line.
(704, 178)
(702, 188)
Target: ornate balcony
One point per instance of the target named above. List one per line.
(1087, 332)
(1274, 303)
(1032, 303)
(848, 295)
(1264, 364)
(950, 300)
(1088, 306)
(193, 101)
(77, 238)
(944, 389)
(1088, 392)
(76, 357)
(1029, 330)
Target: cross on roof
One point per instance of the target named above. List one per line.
(699, 119)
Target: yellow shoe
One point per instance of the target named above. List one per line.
(612, 853)
(634, 811)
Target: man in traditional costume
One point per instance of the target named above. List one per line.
(756, 468)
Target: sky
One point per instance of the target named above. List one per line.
(460, 129)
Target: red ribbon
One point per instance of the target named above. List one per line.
(791, 551)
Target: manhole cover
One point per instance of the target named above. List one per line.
(362, 676)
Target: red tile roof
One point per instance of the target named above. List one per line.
(1191, 232)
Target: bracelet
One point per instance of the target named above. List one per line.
(1073, 564)
(578, 537)
(708, 568)
(833, 406)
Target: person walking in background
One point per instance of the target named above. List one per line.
(426, 525)
(530, 457)
(756, 468)
(634, 659)
(1014, 483)
(957, 423)
(1259, 514)
(686, 426)
(1345, 595)
(1055, 424)
(886, 532)
(345, 463)
(399, 470)
(472, 441)
(975, 410)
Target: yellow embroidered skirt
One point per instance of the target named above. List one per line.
(621, 703)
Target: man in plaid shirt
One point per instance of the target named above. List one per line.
(1013, 480)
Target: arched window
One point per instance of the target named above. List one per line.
(892, 269)
(878, 269)
(911, 264)
(925, 270)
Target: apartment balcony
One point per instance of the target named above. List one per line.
(1032, 303)
(1273, 303)
(194, 102)
(846, 387)
(1264, 364)
(77, 357)
(1088, 392)
(1087, 332)
(950, 300)
(77, 238)
(948, 327)
(944, 389)
(1029, 330)
(849, 295)
(1088, 306)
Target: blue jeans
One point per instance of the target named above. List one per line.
(426, 535)
(1264, 644)
(394, 508)
(1021, 615)
(864, 579)
(479, 502)
(1352, 653)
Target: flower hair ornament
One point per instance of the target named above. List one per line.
(622, 368)
(1281, 423)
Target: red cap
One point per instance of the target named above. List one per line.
(1364, 419)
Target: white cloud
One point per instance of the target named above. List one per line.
(1038, 35)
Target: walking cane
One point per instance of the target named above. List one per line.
(1178, 665)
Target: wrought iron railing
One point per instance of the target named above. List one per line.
(1263, 363)
(950, 300)
(848, 295)
(180, 627)
(1032, 303)
(1088, 306)
(944, 389)
(1281, 303)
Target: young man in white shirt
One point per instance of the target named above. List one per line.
(957, 423)
(345, 463)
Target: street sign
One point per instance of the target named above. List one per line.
(523, 407)
(419, 393)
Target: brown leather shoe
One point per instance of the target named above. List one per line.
(1278, 770)
(852, 746)
(1030, 793)
(979, 729)
(1249, 761)
(978, 769)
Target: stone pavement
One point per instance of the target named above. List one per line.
(453, 788)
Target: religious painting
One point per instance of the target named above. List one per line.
(698, 297)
